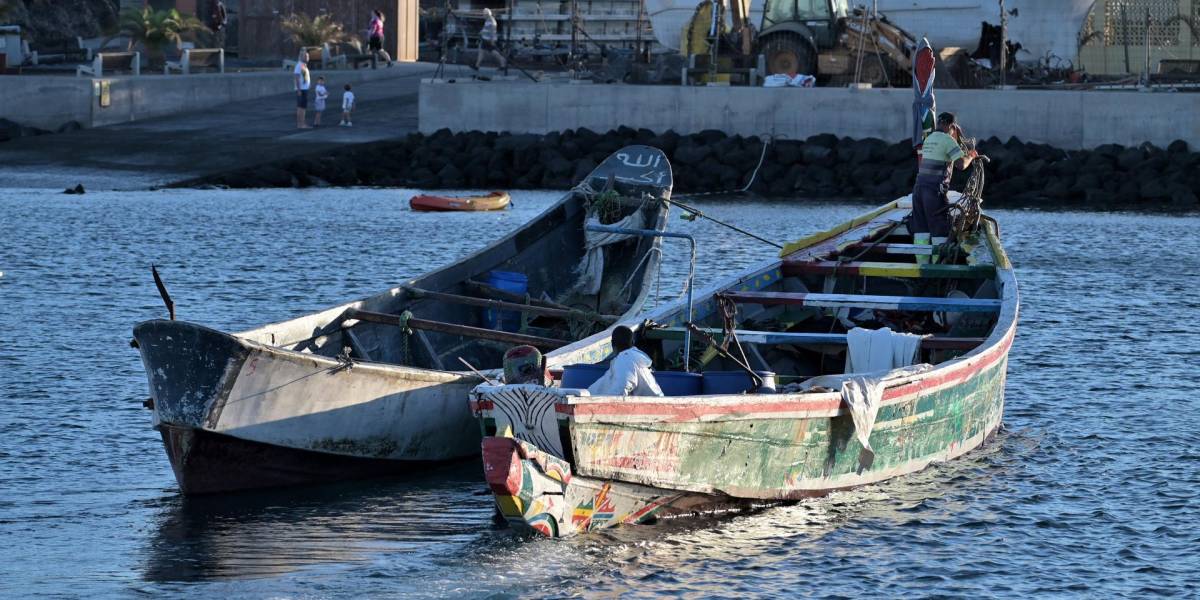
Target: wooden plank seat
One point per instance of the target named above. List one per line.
(912, 303)
(806, 339)
(107, 62)
(886, 269)
(346, 54)
(453, 329)
(892, 248)
(193, 59)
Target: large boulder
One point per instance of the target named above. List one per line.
(1153, 189)
(1130, 158)
(689, 154)
(899, 152)
(712, 136)
(816, 154)
(1183, 197)
(665, 142)
(787, 152)
(582, 168)
(520, 143)
(451, 176)
(824, 140)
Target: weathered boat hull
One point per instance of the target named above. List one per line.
(207, 463)
(340, 421)
(610, 461)
(284, 404)
(933, 421)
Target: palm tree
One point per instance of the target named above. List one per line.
(313, 31)
(155, 30)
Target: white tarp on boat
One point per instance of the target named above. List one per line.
(591, 270)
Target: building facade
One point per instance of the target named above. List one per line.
(1114, 38)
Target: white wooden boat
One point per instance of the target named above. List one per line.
(376, 385)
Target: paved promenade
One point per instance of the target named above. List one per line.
(154, 152)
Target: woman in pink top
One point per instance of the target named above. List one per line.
(375, 38)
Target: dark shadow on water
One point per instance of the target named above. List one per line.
(267, 533)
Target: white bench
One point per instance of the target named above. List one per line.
(112, 61)
(319, 55)
(197, 58)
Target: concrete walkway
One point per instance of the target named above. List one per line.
(155, 152)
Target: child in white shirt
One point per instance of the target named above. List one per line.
(347, 107)
(319, 101)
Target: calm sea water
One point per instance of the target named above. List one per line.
(1092, 489)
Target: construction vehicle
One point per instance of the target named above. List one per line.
(824, 38)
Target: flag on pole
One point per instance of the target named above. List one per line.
(925, 105)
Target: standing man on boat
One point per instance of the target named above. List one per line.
(940, 155)
(629, 371)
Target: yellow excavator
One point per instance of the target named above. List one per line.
(823, 38)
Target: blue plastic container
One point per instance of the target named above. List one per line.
(678, 383)
(505, 320)
(583, 375)
(737, 382)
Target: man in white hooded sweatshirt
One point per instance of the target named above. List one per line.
(629, 370)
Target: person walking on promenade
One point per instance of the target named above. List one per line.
(940, 155)
(302, 79)
(375, 38)
(487, 41)
(347, 107)
(320, 93)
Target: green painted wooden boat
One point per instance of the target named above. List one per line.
(561, 462)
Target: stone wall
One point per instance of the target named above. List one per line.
(1071, 120)
(1144, 177)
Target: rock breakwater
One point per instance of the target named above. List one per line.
(824, 166)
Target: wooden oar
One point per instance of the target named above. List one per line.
(476, 371)
(513, 306)
(455, 329)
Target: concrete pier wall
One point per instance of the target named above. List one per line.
(1064, 119)
(48, 102)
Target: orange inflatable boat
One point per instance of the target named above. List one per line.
(492, 201)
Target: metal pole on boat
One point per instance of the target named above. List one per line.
(687, 334)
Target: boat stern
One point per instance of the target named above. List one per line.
(529, 485)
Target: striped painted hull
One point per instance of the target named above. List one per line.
(640, 462)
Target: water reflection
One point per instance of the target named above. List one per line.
(266, 533)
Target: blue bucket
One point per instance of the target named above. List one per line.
(583, 375)
(737, 382)
(677, 383)
(505, 320)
